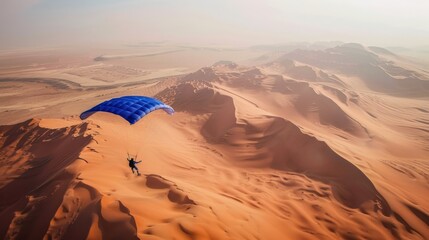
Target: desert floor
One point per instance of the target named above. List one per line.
(266, 143)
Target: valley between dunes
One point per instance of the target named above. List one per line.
(330, 144)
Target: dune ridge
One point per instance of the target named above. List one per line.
(39, 159)
(271, 136)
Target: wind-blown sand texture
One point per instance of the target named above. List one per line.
(315, 144)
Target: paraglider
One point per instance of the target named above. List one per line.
(132, 164)
(132, 109)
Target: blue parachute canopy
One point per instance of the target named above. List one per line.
(131, 108)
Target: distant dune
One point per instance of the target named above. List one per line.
(376, 72)
(110, 57)
(330, 143)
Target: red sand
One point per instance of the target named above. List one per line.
(293, 149)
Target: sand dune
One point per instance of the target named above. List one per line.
(291, 149)
(375, 71)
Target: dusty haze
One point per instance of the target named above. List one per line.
(30, 23)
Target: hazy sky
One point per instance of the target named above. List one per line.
(28, 23)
